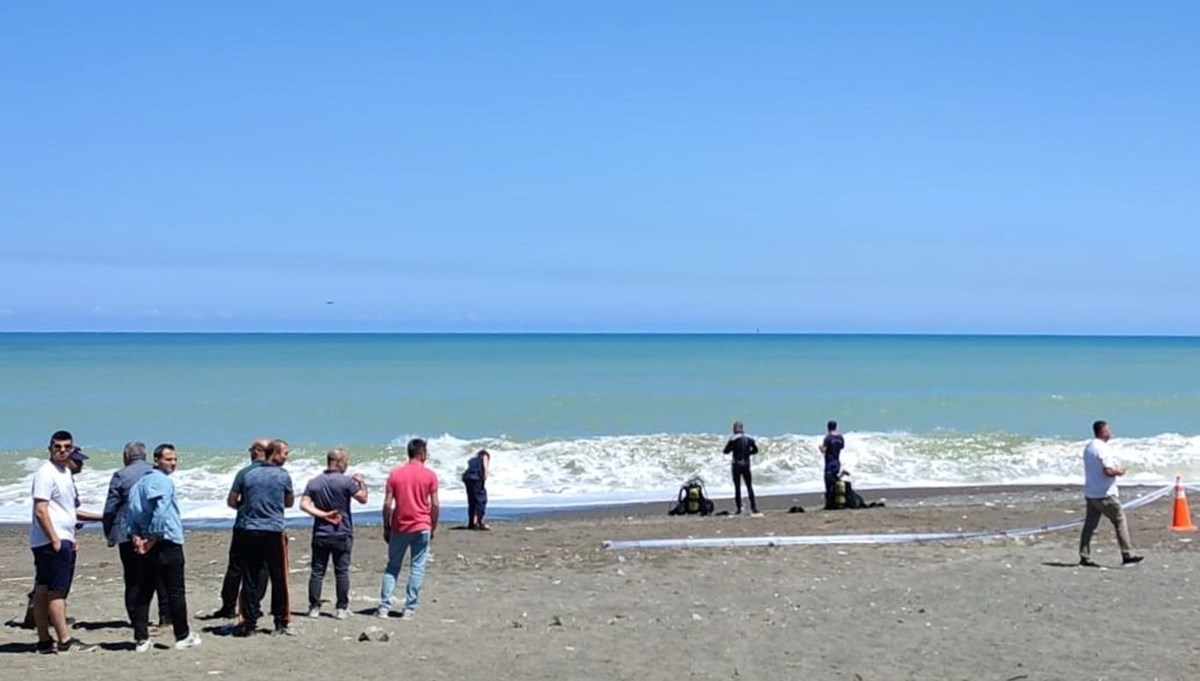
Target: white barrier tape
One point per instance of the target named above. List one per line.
(841, 539)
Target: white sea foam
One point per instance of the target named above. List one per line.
(585, 471)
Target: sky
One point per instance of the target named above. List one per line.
(909, 167)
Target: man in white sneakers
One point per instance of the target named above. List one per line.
(155, 528)
(1100, 492)
(52, 539)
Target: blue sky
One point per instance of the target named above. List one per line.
(690, 166)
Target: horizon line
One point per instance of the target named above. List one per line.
(830, 334)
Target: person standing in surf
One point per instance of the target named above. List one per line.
(475, 480)
(832, 448)
(742, 447)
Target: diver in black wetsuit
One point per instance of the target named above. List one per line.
(742, 446)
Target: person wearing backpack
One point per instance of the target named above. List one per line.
(742, 447)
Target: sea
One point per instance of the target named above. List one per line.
(584, 420)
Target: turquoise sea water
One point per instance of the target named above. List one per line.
(580, 418)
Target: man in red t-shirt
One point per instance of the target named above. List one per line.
(410, 517)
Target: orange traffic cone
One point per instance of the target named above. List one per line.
(1182, 522)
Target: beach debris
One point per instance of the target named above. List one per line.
(556, 621)
(622, 559)
(374, 634)
(620, 572)
(696, 617)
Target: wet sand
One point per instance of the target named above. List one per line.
(539, 598)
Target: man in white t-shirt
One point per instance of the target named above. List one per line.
(1100, 472)
(52, 539)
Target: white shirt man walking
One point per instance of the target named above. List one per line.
(1100, 492)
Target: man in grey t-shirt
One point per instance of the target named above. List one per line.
(327, 499)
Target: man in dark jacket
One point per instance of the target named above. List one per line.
(115, 509)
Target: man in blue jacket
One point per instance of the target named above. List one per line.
(155, 529)
(115, 509)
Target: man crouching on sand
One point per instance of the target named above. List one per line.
(1100, 492)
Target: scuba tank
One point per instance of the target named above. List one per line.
(695, 496)
(839, 493)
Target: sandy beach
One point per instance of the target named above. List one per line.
(540, 598)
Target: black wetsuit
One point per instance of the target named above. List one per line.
(742, 447)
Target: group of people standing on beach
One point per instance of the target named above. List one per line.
(141, 518)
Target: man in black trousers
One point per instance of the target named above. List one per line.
(264, 494)
(232, 583)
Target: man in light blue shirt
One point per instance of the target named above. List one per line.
(155, 529)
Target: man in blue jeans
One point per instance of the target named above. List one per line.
(410, 517)
(327, 499)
